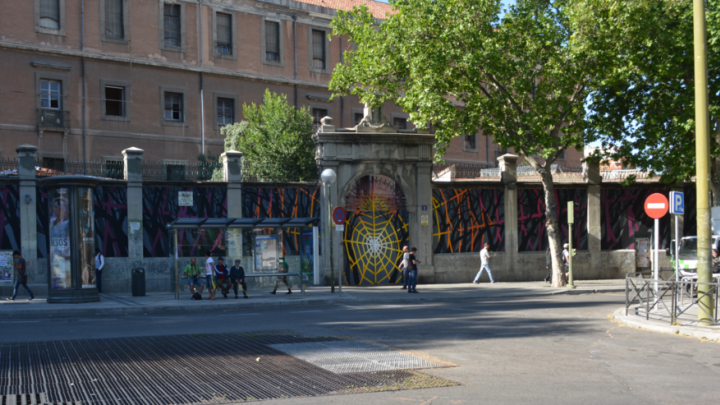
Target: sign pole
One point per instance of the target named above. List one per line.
(677, 248)
(177, 271)
(656, 255)
(571, 220)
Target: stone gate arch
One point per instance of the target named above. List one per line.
(375, 148)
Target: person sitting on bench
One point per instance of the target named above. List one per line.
(237, 276)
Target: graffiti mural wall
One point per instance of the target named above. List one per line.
(283, 203)
(160, 206)
(532, 228)
(9, 217)
(464, 219)
(110, 210)
(375, 231)
(623, 215)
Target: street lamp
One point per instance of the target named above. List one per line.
(328, 177)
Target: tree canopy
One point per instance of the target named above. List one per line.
(459, 67)
(276, 140)
(644, 110)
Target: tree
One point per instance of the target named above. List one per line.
(644, 112)
(522, 78)
(276, 140)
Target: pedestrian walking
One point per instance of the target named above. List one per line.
(99, 264)
(548, 265)
(210, 274)
(237, 276)
(484, 264)
(283, 269)
(404, 267)
(192, 271)
(412, 271)
(22, 276)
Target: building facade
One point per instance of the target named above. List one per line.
(84, 79)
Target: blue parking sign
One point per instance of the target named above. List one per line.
(677, 203)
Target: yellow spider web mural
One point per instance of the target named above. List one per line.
(376, 230)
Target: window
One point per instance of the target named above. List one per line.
(114, 169)
(115, 101)
(471, 141)
(54, 163)
(224, 34)
(400, 123)
(172, 25)
(225, 111)
(318, 50)
(173, 106)
(175, 171)
(50, 14)
(114, 19)
(50, 94)
(357, 117)
(272, 41)
(318, 114)
(562, 155)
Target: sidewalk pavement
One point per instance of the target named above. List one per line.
(119, 304)
(685, 325)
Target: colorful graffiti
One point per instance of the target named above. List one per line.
(464, 219)
(375, 231)
(623, 215)
(160, 206)
(110, 210)
(9, 217)
(532, 227)
(283, 203)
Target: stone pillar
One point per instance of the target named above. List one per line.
(424, 241)
(232, 168)
(132, 158)
(508, 175)
(593, 179)
(28, 214)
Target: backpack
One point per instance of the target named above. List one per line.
(197, 296)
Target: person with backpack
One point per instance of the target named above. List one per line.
(192, 272)
(21, 269)
(283, 269)
(484, 264)
(237, 276)
(404, 267)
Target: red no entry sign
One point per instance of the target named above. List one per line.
(656, 206)
(338, 216)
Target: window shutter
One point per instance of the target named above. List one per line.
(114, 19)
(318, 40)
(224, 29)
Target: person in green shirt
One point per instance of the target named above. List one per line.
(192, 271)
(283, 269)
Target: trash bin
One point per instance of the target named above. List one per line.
(138, 282)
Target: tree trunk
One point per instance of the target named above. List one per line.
(553, 228)
(715, 177)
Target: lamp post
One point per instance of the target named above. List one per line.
(571, 220)
(328, 177)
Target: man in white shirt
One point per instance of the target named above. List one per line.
(484, 264)
(404, 267)
(99, 263)
(210, 274)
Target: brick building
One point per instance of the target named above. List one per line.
(165, 75)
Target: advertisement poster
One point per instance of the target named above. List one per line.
(306, 254)
(266, 253)
(643, 252)
(60, 269)
(233, 241)
(6, 266)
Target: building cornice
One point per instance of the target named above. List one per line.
(159, 64)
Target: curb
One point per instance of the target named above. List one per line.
(205, 307)
(691, 331)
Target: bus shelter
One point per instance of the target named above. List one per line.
(259, 244)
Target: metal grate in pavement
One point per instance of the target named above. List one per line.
(180, 370)
(351, 356)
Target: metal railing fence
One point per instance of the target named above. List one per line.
(667, 299)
